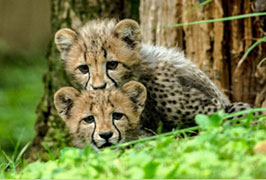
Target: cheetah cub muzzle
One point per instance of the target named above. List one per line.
(102, 117)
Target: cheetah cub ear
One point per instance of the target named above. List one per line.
(128, 31)
(136, 92)
(64, 38)
(63, 100)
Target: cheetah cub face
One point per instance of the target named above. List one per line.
(101, 54)
(101, 117)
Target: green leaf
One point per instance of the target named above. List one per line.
(203, 121)
(209, 122)
(150, 169)
(171, 173)
(215, 120)
(248, 120)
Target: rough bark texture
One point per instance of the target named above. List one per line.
(215, 47)
(50, 129)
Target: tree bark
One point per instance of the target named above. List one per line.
(215, 47)
(51, 133)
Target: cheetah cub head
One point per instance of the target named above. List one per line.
(102, 54)
(102, 117)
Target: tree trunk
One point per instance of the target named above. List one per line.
(215, 47)
(51, 133)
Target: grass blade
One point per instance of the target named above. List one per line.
(250, 49)
(230, 18)
(244, 112)
(261, 62)
(22, 152)
(196, 7)
(7, 157)
(173, 133)
(10, 162)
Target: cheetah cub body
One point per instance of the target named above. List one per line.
(105, 54)
(102, 117)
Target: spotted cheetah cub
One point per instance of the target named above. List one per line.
(105, 54)
(102, 117)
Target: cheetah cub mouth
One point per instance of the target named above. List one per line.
(107, 144)
(102, 117)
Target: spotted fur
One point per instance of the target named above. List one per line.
(177, 89)
(239, 106)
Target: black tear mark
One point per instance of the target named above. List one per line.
(88, 79)
(116, 85)
(119, 133)
(92, 135)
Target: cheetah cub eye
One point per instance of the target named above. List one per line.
(112, 65)
(84, 69)
(89, 119)
(102, 118)
(117, 116)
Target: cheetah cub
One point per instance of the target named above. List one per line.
(105, 54)
(102, 117)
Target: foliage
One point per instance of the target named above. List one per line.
(222, 149)
(21, 89)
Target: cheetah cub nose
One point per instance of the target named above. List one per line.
(106, 135)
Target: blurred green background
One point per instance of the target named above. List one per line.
(24, 37)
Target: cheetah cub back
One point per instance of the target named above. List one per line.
(102, 117)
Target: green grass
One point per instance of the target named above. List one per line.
(20, 91)
(221, 150)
